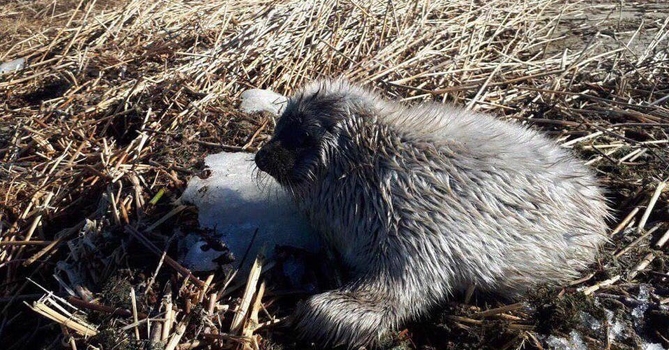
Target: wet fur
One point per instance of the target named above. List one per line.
(424, 201)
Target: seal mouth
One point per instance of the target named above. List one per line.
(276, 161)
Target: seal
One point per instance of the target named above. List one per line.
(423, 201)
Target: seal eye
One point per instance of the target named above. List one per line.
(296, 139)
(301, 139)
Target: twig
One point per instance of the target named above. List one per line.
(608, 282)
(625, 221)
(637, 241)
(651, 205)
(133, 302)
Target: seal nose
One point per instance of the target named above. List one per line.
(275, 160)
(262, 159)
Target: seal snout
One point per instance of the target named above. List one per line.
(262, 159)
(275, 160)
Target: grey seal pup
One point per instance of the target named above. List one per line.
(423, 201)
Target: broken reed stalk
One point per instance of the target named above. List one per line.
(178, 334)
(499, 310)
(651, 205)
(641, 265)
(249, 292)
(663, 240)
(205, 288)
(81, 327)
(596, 287)
(60, 311)
(169, 317)
(33, 242)
(637, 241)
(252, 322)
(133, 302)
(625, 221)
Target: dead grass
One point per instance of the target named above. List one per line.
(121, 100)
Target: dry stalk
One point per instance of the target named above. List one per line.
(249, 292)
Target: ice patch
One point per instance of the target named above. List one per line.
(574, 342)
(639, 311)
(257, 100)
(13, 66)
(231, 203)
(616, 328)
(590, 320)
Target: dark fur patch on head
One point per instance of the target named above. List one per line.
(318, 108)
(294, 153)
